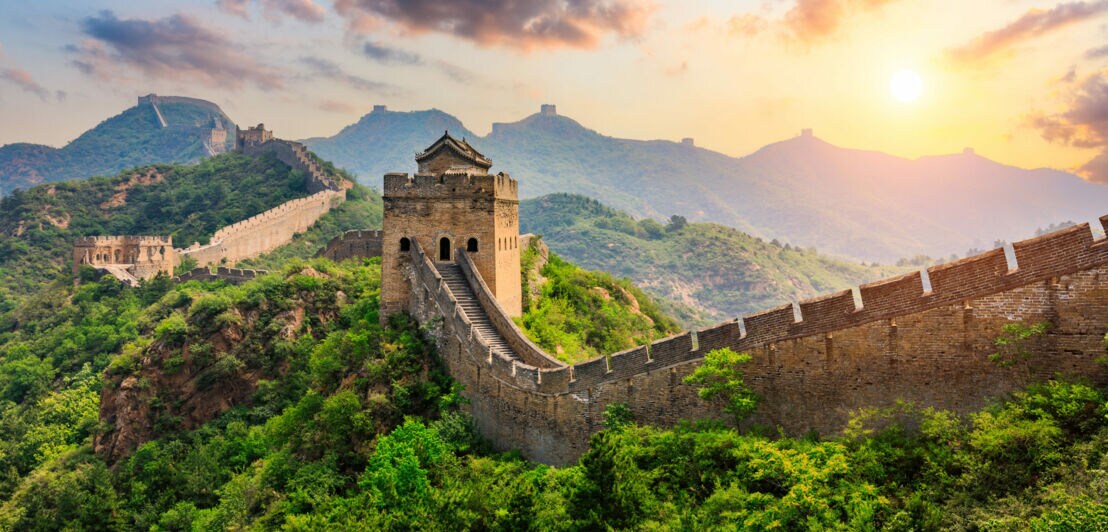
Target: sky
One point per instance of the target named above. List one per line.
(1023, 82)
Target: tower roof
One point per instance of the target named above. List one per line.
(456, 149)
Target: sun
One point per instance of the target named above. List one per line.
(906, 86)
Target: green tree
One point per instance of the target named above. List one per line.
(721, 376)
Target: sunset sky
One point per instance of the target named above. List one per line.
(1022, 82)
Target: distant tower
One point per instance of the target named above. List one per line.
(688, 141)
(217, 138)
(452, 202)
(251, 137)
(806, 133)
(548, 109)
(968, 151)
(380, 108)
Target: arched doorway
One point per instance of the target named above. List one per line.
(444, 249)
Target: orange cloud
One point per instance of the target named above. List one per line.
(1032, 24)
(1083, 124)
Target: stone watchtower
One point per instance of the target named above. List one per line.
(452, 203)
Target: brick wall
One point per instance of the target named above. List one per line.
(354, 243)
(901, 344)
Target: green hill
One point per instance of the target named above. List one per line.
(132, 138)
(284, 404)
(189, 203)
(718, 270)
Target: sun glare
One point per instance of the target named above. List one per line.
(906, 86)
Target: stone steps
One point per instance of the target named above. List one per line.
(454, 278)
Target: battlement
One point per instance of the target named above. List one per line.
(548, 109)
(135, 240)
(380, 108)
(452, 183)
(354, 243)
(231, 275)
(813, 361)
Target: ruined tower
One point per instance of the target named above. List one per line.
(452, 203)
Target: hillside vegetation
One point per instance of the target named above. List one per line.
(131, 138)
(577, 314)
(189, 203)
(335, 422)
(720, 271)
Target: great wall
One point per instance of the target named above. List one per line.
(132, 258)
(922, 337)
(812, 371)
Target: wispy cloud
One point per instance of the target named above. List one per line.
(335, 106)
(1031, 24)
(1083, 123)
(175, 47)
(520, 24)
(1096, 53)
(388, 54)
(23, 79)
(305, 10)
(807, 21)
(324, 68)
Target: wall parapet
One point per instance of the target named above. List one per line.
(354, 243)
(231, 275)
(520, 344)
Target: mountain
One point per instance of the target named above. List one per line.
(718, 270)
(805, 191)
(392, 137)
(159, 129)
(189, 203)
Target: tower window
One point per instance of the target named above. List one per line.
(405, 244)
(471, 245)
(444, 248)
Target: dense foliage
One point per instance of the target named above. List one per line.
(580, 314)
(719, 270)
(133, 137)
(352, 425)
(189, 203)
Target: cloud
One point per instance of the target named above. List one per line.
(335, 106)
(387, 54)
(175, 47)
(1031, 24)
(23, 79)
(235, 7)
(520, 24)
(807, 21)
(1096, 53)
(304, 10)
(326, 69)
(1083, 124)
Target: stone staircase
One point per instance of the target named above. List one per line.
(456, 280)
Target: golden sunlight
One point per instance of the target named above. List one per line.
(906, 86)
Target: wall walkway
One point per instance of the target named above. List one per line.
(812, 367)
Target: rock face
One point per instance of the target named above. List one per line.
(181, 383)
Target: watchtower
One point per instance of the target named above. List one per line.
(452, 203)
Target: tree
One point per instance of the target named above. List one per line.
(676, 223)
(720, 376)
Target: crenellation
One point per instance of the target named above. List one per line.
(769, 325)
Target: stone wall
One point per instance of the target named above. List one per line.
(354, 243)
(266, 231)
(811, 369)
(231, 275)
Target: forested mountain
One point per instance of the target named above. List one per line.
(284, 404)
(134, 137)
(720, 271)
(803, 191)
